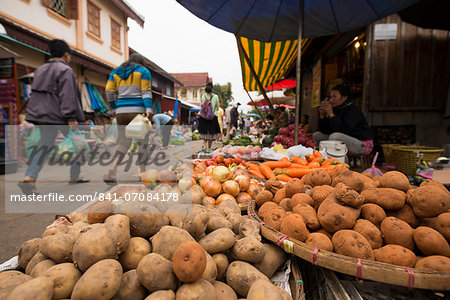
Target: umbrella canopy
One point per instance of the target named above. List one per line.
(278, 20)
(253, 115)
(282, 84)
(276, 97)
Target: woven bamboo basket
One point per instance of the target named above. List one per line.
(407, 157)
(388, 152)
(361, 269)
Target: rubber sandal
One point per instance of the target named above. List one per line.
(110, 180)
(81, 180)
(28, 188)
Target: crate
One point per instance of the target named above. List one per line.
(407, 157)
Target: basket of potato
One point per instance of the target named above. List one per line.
(379, 228)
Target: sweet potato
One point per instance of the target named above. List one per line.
(396, 255)
(370, 232)
(429, 201)
(293, 187)
(395, 180)
(431, 242)
(319, 240)
(387, 198)
(398, 232)
(442, 225)
(373, 213)
(351, 243)
(434, 263)
(294, 227)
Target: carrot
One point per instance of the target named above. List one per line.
(295, 159)
(317, 154)
(314, 164)
(266, 171)
(254, 167)
(298, 166)
(298, 173)
(277, 164)
(319, 159)
(278, 171)
(302, 161)
(284, 178)
(309, 157)
(257, 174)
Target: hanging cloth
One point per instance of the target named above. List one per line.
(104, 108)
(95, 104)
(85, 99)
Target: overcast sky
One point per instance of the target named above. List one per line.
(179, 42)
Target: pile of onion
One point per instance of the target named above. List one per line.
(220, 173)
(149, 178)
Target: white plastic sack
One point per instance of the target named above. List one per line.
(301, 151)
(11, 264)
(281, 278)
(138, 127)
(268, 153)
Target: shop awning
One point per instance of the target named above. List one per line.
(271, 61)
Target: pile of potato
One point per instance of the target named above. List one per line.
(382, 219)
(144, 253)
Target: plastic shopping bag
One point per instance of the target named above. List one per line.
(138, 127)
(79, 141)
(34, 141)
(373, 171)
(111, 133)
(66, 150)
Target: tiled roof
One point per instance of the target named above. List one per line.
(192, 79)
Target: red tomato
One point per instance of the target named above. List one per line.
(237, 160)
(210, 162)
(219, 158)
(228, 161)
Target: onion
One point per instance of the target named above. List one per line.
(167, 176)
(212, 188)
(163, 188)
(243, 181)
(209, 170)
(149, 178)
(243, 197)
(204, 180)
(185, 184)
(224, 197)
(221, 173)
(197, 194)
(208, 201)
(200, 168)
(254, 189)
(231, 187)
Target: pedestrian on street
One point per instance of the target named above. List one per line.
(234, 117)
(220, 113)
(228, 121)
(131, 83)
(247, 124)
(55, 100)
(209, 128)
(163, 125)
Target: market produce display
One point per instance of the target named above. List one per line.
(286, 135)
(241, 141)
(249, 152)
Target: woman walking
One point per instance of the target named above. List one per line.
(209, 128)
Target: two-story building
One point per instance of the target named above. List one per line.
(192, 87)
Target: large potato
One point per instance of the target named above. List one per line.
(398, 232)
(263, 289)
(224, 291)
(162, 295)
(100, 282)
(320, 193)
(348, 196)
(406, 214)
(273, 217)
(221, 261)
(210, 273)
(58, 247)
(41, 267)
(334, 216)
(77, 229)
(119, 226)
(156, 273)
(434, 263)
(37, 258)
(431, 242)
(9, 280)
(196, 222)
(241, 275)
(130, 287)
(35, 289)
(167, 240)
(387, 198)
(370, 232)
(137, 248)
(99, 211)
(145, 219)
(429, 201)
(248, 249)
(274, 258)
(294, 227)
(27, 251)
(198, 290)
(352, 243)
(235, 220)
(350, 179)
(58, 229)
(373, 213)
(92, 246)
(249, 227)
(396, 255)
(217, 241)
(64, 276)
(395, 180)
(442, 225)
(217, 221)
(293, 187)
(189, 261)
(319, 240)
(308, 214)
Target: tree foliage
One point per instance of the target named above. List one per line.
(225, 93)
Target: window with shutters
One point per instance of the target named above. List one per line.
(115, 34)
(60, 7)
(93, 19)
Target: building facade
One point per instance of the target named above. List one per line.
(192, 87)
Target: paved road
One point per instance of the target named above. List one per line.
(16, 228)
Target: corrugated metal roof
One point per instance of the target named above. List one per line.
(192, 79)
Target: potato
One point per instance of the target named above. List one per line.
(189, 261)
(319, 240)
(429, 201)
(370, 232)
(353, 244)
(294, 227)
(58, 229)
(217, 221)
(254, 189)
(162, 295)
(263, 289)
(27, 251)
(273, 185)
(396, 180)
(99, 211)
(9, 280)
(101, 281)
(320, 193)
(286, 204)
(263, 197)
(308, 214)
(373, 213)
(387, 198)
(156, 273)
(64, 276)
(301, 198)
(442, 225)
(57, 247)
(77, 228)
(35, 289)
(224, 291)
(217, 241)
(37, 258)
(431, 242)
(274, 258)
(434, 183)
(210, 273)
(280, 195)
(130, 287)
(167, 240)
(198, 290)
(137, 248)
(249, 227)
(350, 179)
(320, 177)
(369, 183)
(145, 219)
(334, 173)
(241, 275)
(428, 222)
(94, 245)
(221, 261)
(266, 207)
(306, 180)
(274, 217)
(229, 206)
(398, 232)
(396, 255)
(406, 214)
(293, 187)
(248, 249)
(235, 219)
(334, 216)
(41, 267)
(323, 231)
(434, 263)
(348, 196)
(119, 226)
